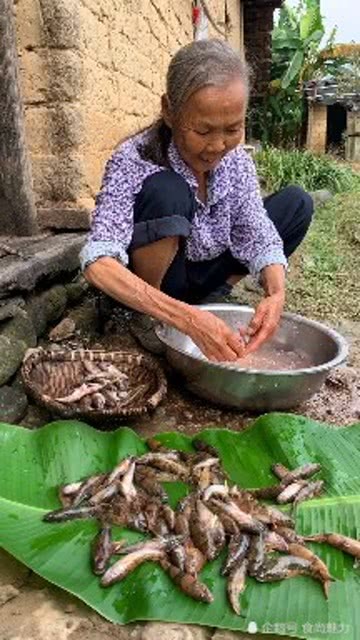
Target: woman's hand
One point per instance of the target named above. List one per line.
(265, 321)
(214, 338)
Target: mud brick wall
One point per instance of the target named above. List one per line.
(92, 73)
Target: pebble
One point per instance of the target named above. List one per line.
(8, 592)
(172, 631)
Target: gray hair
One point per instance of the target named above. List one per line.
(203, 63)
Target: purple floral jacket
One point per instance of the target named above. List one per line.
(232, 218)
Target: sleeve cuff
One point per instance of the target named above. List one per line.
(273, 257)
(95, 249)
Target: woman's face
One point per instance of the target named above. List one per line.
(210, 125)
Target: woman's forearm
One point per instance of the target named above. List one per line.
(121, 284)
(273, 280)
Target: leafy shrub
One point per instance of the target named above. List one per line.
(279, 168)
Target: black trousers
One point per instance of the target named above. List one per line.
(165, 206)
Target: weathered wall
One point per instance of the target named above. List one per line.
(92, 72)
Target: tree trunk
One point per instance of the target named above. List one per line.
(15, 172)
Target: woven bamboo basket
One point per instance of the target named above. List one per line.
(50, 375)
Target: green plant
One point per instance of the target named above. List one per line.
(296, 42)
(279, 168)
(34, 463)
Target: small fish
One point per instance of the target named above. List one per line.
(202, 478)
(177, 557)
(206, 531)
(157, 447)
(280, 470)
(337, 540)
(267, 493)
(120, 469)
(301, 473)
(238, 547)
(256, 554)
(86, 389)
(274, 569)
(73, 513)
(236, 585)
(68, 492)
(189, 584)
(169, 516)
(165, 462)
(105, 494)
(98, 401)
(128, 563)
(168, 543)
(209, 462)
(310, 490)
(289, 534)
(245, 521)
(194, 559)
(318, 567)
(126, 484)
(219, 490)
(290, 492)
(71, 489)
(102, 550)
(274, 517)
(87, 488)
(147, 480)
(275, 542)
(183, 514)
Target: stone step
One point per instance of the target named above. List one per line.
(25, 261)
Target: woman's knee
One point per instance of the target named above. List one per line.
(303, 200)
(164, 194)
(163, 209)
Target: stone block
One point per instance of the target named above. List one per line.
(54, 301)
(12, 352)
(57, 178)
(13, 405)
(20, 328)
(50, 75)
(62, 217)
(53, 128)
(29, 27)
(61, 23)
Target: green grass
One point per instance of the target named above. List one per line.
(278, 168)
(324, 279)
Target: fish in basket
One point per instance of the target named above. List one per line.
(94, 384)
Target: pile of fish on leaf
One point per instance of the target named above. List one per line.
(215, 514)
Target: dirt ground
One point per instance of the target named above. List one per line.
(32, 609)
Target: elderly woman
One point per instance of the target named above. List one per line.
(180, 216)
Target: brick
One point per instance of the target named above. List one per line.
(50, 76)
(29, 30)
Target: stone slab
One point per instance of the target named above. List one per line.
(63, 218)
(47, 256)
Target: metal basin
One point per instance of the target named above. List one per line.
(258, 389)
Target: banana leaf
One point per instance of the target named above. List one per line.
(34, 463)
